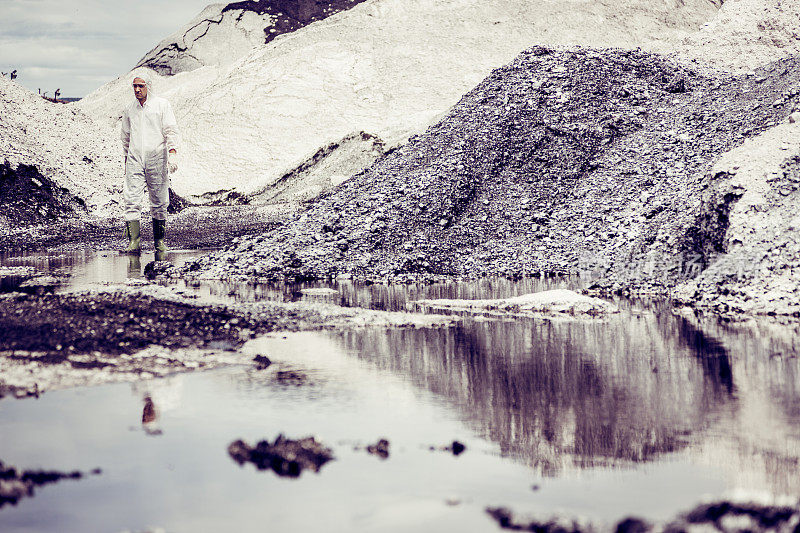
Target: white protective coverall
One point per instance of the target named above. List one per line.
(148, 133)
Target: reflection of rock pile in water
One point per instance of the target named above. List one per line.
(759, 447)
(580, 394)
(560, 395)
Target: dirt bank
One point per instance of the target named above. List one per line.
(122, 334)
(590, 161)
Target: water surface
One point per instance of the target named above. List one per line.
(646, 413)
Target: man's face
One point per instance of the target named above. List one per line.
(139, 88)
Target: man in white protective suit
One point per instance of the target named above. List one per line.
(149, 143)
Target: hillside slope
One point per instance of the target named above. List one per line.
(387, 68)
(222, 33)
(744, 35)
(67, 149)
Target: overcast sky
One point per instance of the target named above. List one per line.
(78, 45)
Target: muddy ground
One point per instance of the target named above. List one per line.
(126, 333)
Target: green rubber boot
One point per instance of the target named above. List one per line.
(132, 233)
(159, 232)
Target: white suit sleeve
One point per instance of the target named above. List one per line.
(169, 126)
(125, 135)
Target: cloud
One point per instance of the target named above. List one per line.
(81, 44)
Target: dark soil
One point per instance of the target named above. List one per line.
(27, 197)
(286, 457)
(16, 485)
(115, 323)
(560, 162)
(291, 15)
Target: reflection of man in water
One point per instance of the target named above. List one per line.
(149, 417)
(159, 396)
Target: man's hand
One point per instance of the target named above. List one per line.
(172, 164)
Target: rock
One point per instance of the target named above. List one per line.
(677, 84)
(286, 457)
(154, 269)
(380, 448)
(261, 362)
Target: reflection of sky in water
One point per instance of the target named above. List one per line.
(85, 268)
(645, 414)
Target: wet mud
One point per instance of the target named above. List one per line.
(60, 340)
(57, 326)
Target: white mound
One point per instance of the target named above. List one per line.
(384, 67)
(746, 34)
(553, 302)
(64, 144)
(213, 37)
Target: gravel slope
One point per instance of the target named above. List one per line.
(63, 144)
(589, 161)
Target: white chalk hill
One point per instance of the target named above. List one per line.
(64, 144)
(388, 68)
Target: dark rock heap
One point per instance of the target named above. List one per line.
(585, 160)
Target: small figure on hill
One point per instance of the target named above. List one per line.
(13, 74)
(149, 145)
(57, 93)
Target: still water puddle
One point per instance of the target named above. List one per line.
(643, 414)
(82, 269)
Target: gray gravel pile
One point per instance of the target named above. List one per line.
(561, 161)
